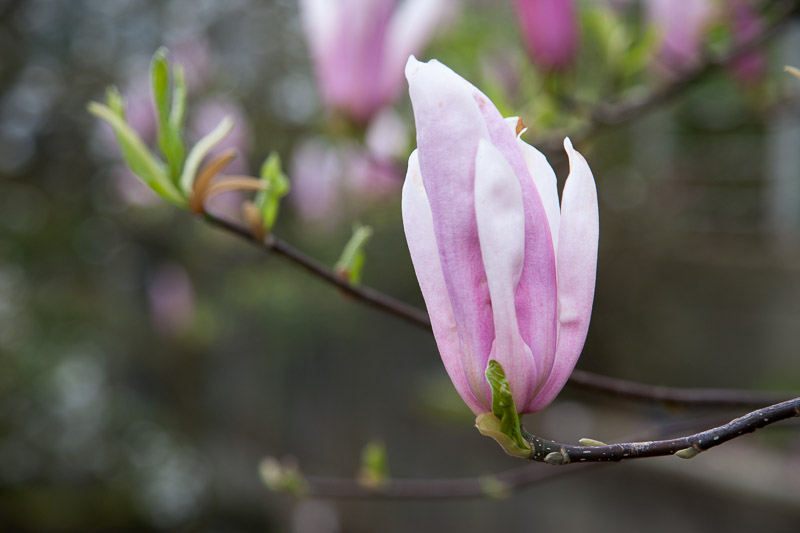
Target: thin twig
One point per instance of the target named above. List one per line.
(580, 378)
(556, 453)
(633, 390)
(366, 295)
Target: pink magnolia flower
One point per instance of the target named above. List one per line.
(682, 26)
(550, 31)
(328, 180)
(359, 48)
(506, 273)
(752, 66)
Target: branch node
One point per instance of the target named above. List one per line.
(561, 457)
(688, 453)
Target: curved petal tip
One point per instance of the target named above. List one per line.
(412, 66)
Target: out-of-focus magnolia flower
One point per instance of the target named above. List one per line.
(506, 273)
(206, 117)
(359, 48)
(171, 296)
(550, 30)
(682, 26)
(751, 67)
(327, 178)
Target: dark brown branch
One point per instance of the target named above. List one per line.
(687, 447)
(371, 297)
(580, 378)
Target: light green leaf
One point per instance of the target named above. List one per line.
(170, 109)
(199, 152)
(351, 262)
(159, 77)
(134, 152)
(374, 465)
(268, 200)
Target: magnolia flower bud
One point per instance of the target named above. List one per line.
(550, 31)
(359, 48)
(507, 274)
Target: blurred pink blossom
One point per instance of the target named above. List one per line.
(192, 52)
(550, 30)
(682, 26)
(207, 115)
(330, 179)
(171, 296)
(359, 48)
(751, 67)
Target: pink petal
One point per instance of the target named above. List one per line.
(449, 126)
(550, 31)
(418, 224)
(501, 228)
(535, 297)
(577, 270)
(547, 186)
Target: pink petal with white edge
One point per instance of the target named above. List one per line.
(543, 177)
(535, 298)
(418, 225)
(546, 184)
(501, 228)
(577, 271)
(449, 126)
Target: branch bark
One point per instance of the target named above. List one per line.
(556, 453)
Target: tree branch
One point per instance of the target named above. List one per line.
(580, 378)
(555, 453)
(613, 114)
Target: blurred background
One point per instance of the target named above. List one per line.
(148, 361)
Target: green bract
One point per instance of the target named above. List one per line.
(502, 424)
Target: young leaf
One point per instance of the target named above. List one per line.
(268, 201)
(170, 109)
(352, 259)
(374, 465)
(159, 77)
(134, 152)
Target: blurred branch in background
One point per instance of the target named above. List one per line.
(604, 114)
(580, 378)
(287, 477)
